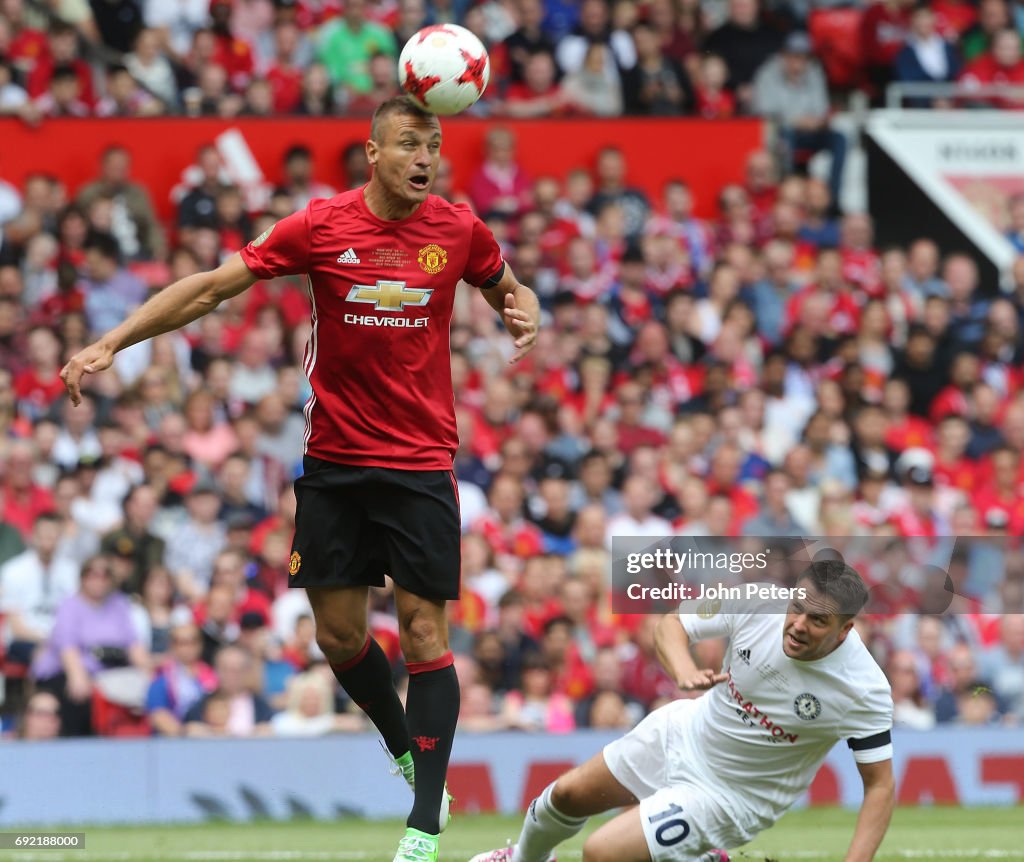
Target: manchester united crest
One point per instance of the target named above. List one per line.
(432, 259)
(294, 564)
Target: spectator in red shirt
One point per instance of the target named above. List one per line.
(39, 386)
(953, 17)
(27, 45)
(571, 674)
(537, 590)
(713, 100)
(500, 185)
(230, 572)
(1001, 65)
(62, 51)
(954, 399)
(284, 74)
(21, 499)
(861, 263)
(952, 468)
(63, 96)
(383, 86)
(506, 530)
(632, 430)
(584, 278)
(831, 289)
(301, 648)
(724, 479)
(761, 182)
(883, 31)
(643, 676)
(540, 94)
(232, 53)
(553, 229)
(1004, 491)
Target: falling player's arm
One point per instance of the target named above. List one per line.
(672, 644)
(173, 307)
(875, 810)
(867, 729)
(519, 309)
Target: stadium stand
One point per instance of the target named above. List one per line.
(763, 371)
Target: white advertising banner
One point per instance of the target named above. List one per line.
(970, 163)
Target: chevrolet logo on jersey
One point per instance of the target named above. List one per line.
(389, 295)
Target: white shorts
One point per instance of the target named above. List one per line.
(684, 814)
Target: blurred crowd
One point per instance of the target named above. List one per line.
(716, 58)
(769, 371)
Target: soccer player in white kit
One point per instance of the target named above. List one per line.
(697, 775)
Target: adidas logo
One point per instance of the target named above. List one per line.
(744, 655)
(348, 256)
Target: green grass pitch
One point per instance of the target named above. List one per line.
(938, 834)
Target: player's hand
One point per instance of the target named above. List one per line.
(701, 680)
(96, 357)
(521, 326)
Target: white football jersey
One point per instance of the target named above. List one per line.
(765, 731)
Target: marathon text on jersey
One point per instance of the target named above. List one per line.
(777, 731)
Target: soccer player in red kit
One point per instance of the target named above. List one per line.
(377, 494)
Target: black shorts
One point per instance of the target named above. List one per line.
(353, 525)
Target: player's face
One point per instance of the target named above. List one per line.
(406, 158)
(813, 627)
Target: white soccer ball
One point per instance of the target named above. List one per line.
(444, 68)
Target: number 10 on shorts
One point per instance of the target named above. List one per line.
(669, 832)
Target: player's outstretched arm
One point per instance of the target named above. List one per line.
(875, 810)
(173, 307)
(519, 309)
(673, 647)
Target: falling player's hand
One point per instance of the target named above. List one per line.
(89, 360)
(702, 679)
(521, 326)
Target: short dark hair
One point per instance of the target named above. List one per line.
(64, 72)
(105, 244)
(400, 105)
(297, 151)
(840, 583)
(558, 622)
(47, 518)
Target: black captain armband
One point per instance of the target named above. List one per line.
(494, 279)
(876, 740)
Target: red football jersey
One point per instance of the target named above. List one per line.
(382, 294)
